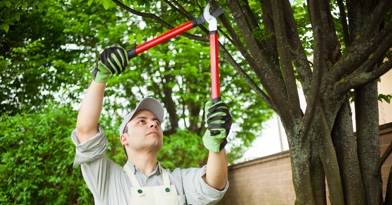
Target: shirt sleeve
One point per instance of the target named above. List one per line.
(90, 150)
(197, 191)
(96, 167)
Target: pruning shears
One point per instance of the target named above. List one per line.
(208, 17)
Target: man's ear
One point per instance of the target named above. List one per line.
(124, 139)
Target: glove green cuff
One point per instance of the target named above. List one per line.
(102, 74)
(213, 143)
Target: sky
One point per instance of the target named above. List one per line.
(271, 140)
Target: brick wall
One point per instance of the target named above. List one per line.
(268, 180)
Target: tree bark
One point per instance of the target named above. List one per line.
(329, 159)
(317, 171)
(300, 156)
(346, 150)
(366, 112)
(388, 194)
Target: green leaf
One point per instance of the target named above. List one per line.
(25, 5)
(131, 39)
(6, 27)
(17, 16)
(89, 2)
(139, 38)
(8, 4)
(40, 5)
(127, 3)
(386, 98)
(106, 4)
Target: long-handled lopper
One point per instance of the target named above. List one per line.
(172, 33)
(213, 35)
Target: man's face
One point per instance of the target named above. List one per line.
(144, 132)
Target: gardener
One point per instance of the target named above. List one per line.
(142, 180)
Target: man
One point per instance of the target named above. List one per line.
(142, 180)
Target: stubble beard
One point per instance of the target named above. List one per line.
(153, 144)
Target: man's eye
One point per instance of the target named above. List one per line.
(141, 121)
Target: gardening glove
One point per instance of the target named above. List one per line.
(218, 126)
(112, 60)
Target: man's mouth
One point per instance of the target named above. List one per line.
(152, 132)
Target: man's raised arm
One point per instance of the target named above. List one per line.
(90, 111)
(111, 61)
(219, 123)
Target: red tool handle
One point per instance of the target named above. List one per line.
(214, 66)
(160, 39)
(164, 37)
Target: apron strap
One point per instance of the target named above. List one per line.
(132, 177)
(166, 182)
(165, 177)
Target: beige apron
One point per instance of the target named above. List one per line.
(162, 195)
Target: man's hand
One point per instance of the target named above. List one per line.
(112, 60)
(219, 122)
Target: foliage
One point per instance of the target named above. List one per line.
(330, 48)
(47, 50)
(12, 10)
(386, 98)
(48, 47)
(50, 51)
(33, 60)
(36, 159)
(182, 149)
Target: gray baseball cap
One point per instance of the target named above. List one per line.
(149, 104)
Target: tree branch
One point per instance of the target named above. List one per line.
(142, 14)
(358, 53)
(309, 84)
(179, 9)
(251, 21)
(343, 21)
(375, 19)
(270, 78)
(312, 97)
(361, 78)
(238, 44)
(285, 58)
(234, 37)
(269, 44)
(378, 55)
(158, 20)
(330, 161)
(382, 159)
(362, 75)
(246, 77)
(297, 51)
(388, 194)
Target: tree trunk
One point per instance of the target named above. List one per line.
(317, 171)
(366, 111)
(329, 159)
(388, 195)
(300, 154)
(346, 150)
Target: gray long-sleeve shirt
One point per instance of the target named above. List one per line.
(110, 185)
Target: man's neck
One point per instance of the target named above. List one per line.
(145, 162)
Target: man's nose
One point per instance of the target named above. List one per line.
(153, 123)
